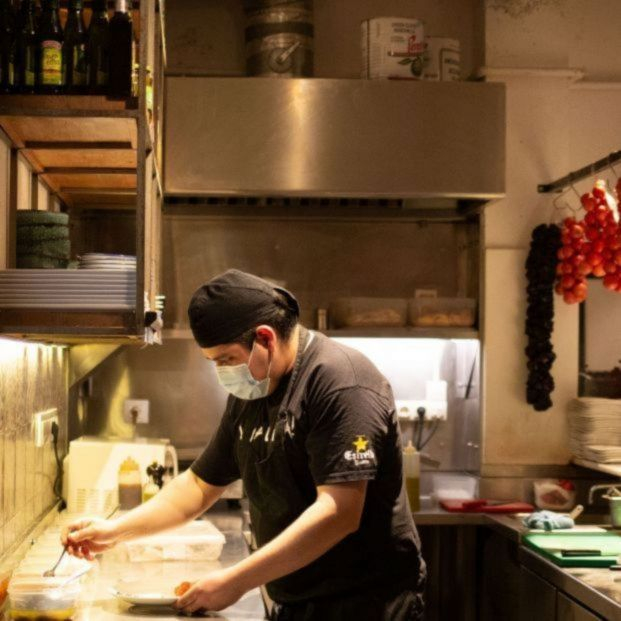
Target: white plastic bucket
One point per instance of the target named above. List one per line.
(442, 59)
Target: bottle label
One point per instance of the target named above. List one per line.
(79, 65)
(51, 63)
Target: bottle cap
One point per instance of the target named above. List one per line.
(410, 448)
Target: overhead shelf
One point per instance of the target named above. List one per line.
(408, 332)
(613, 469)
(79, 145)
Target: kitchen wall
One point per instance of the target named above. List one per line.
(556, 122)
(32, 378)
(209, 36)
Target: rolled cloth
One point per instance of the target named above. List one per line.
(233, 303)
(548, 520)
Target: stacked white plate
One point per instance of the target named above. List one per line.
(100, 261)
(68, 289)
(595, 429)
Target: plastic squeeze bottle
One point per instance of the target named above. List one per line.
(130, 485)
(411, 471)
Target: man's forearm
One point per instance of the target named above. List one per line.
(314, 532)
(178, 502)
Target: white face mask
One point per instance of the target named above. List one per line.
(238, 380)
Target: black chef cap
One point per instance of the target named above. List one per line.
(232, 303)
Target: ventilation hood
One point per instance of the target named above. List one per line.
(258, 137)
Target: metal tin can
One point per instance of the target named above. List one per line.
(279, 39)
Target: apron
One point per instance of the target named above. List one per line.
(277, 497)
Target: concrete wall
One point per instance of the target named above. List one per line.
(554, 124)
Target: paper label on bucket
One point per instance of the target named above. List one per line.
(442, 59)
(393, 48)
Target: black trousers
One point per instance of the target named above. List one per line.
(397, 602)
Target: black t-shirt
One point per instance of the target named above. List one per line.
(337, 423)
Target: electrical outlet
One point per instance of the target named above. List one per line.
(138, 408)
(42, 426)
(406, 409)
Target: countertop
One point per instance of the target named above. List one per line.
(597, 588)
(97, 604)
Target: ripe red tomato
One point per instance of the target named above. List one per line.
(598, 246)
(591, 218)
(584, 269)
(618, 257)
(610, 267)
(599, 189)
(594, 258)
(592, 234)
(577, 259)
(588, 202)
(598, 270)
(577, 231)
(569, 297)
(568, 267)
(611, 282)
(559, 288)
(568, 281)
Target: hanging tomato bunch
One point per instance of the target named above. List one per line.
(591, 246)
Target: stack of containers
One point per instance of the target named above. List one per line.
(42, 239)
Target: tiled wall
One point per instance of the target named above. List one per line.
(32, 378)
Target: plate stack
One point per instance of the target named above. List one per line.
(595, 429)
(100, 261)
(42, 239)
(68, 289)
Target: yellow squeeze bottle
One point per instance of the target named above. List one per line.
(411, 471)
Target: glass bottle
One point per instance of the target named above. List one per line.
(98, 49)
(7, 46)
(121, 50)
(130, 485)
(74, 49)
(50, 37)
(26, 56)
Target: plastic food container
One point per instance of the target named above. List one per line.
(554, 495)
(454, 486)
(42, 599)
(368, 312)
(196, 541)
(431, 312)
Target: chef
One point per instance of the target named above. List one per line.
(311, 429)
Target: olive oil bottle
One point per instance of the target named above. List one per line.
(26, 49)
(98, 49)
(121, 50)
(7, 46)
(74, 49)
(50, 38)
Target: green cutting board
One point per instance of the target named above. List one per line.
(551, 544)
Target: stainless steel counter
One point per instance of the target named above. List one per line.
(597, 588)
(99, 605)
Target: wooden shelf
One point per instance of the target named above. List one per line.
(80, 145)
(409, 332)
(66, 325)
(613, 469)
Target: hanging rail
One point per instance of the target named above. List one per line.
(581, 173)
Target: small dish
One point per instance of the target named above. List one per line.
(137, 594)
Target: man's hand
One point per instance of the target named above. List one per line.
(217, 591)
(88, 537)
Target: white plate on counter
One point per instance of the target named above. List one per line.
(137, 594)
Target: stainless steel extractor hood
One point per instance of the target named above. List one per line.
(334, 138)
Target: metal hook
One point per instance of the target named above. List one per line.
(571, 183)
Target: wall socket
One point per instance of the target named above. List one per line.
(138, 408)
(406, 409)
(42, 426)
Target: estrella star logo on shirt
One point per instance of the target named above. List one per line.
(360, 444)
